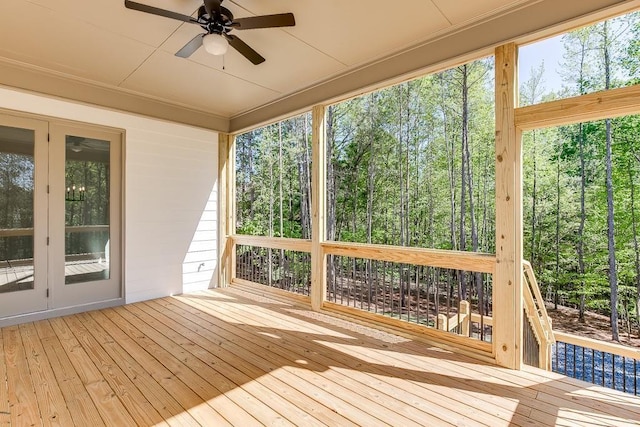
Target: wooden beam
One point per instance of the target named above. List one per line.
(594, 106)
(226, 209)
(318, 193)
(299, 245)
(467, 261)
(507, 280)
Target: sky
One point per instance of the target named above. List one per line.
(531, 56)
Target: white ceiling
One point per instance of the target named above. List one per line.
(101, 42)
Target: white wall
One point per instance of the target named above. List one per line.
(170, 196)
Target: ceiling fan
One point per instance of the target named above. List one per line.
(218, 22)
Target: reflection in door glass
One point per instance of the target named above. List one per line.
(16, 209)
(86, 210)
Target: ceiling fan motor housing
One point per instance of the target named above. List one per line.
(221, 24)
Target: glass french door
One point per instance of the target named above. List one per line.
(84, 218)
(23, 233)
(59, 215)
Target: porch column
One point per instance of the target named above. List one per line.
(507, 279)
(318, 210)
(226, 209)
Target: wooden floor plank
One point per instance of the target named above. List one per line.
(23, 403)
(5, 417)
(153, 392)
(81, 406)
(372, 377)
(460, 393)
(511, 392)
(171, 359)
(179, 345)
(294, 405)
(242, 357)
(372, 399)
(53, 408)
(130, 341)
(140, 409)
(105, 398)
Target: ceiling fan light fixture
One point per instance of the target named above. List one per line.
(215, 44)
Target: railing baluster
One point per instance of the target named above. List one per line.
(613, 370)
(603, 370)
(593, 367)
(624, 373)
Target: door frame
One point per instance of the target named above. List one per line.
(31, 300)
(50, 310)
(68, 295)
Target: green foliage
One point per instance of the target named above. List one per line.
(413, 165)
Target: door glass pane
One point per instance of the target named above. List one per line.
(86, 210)
(16, 208)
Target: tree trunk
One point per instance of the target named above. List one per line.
(583, 216)
(464, 153)
(611, 244)
(636, 246)
(557, 290)
(331, 197)
(304, 177)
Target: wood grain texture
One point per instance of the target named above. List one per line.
(23, 405)
(53, 408)
(594, 106)
(243, 356)
(300, 245)
(466, 261)
(318, 208)
(507, 280)
(5, 418)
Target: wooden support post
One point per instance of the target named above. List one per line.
(318, 198)
(226, 209)
(546, 349)
(507, 279)
(442, 321)
(464, 317)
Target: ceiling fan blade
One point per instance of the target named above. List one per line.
(157, 11)
(189, 48)
(244, 49)
(212, 7)
(265, 21)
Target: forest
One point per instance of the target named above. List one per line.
(413, 165)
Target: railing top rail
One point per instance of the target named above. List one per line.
(457, 260)
(603, 346)
(300, 245)
(537, 298)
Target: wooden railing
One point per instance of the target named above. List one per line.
(599, 362)
(537, 316)
(462, 320)
(279, 263)
(420, 287)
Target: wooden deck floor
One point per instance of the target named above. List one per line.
(231, 357)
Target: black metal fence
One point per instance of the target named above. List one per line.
(597, 367)
(452, 300)
(277, 268)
